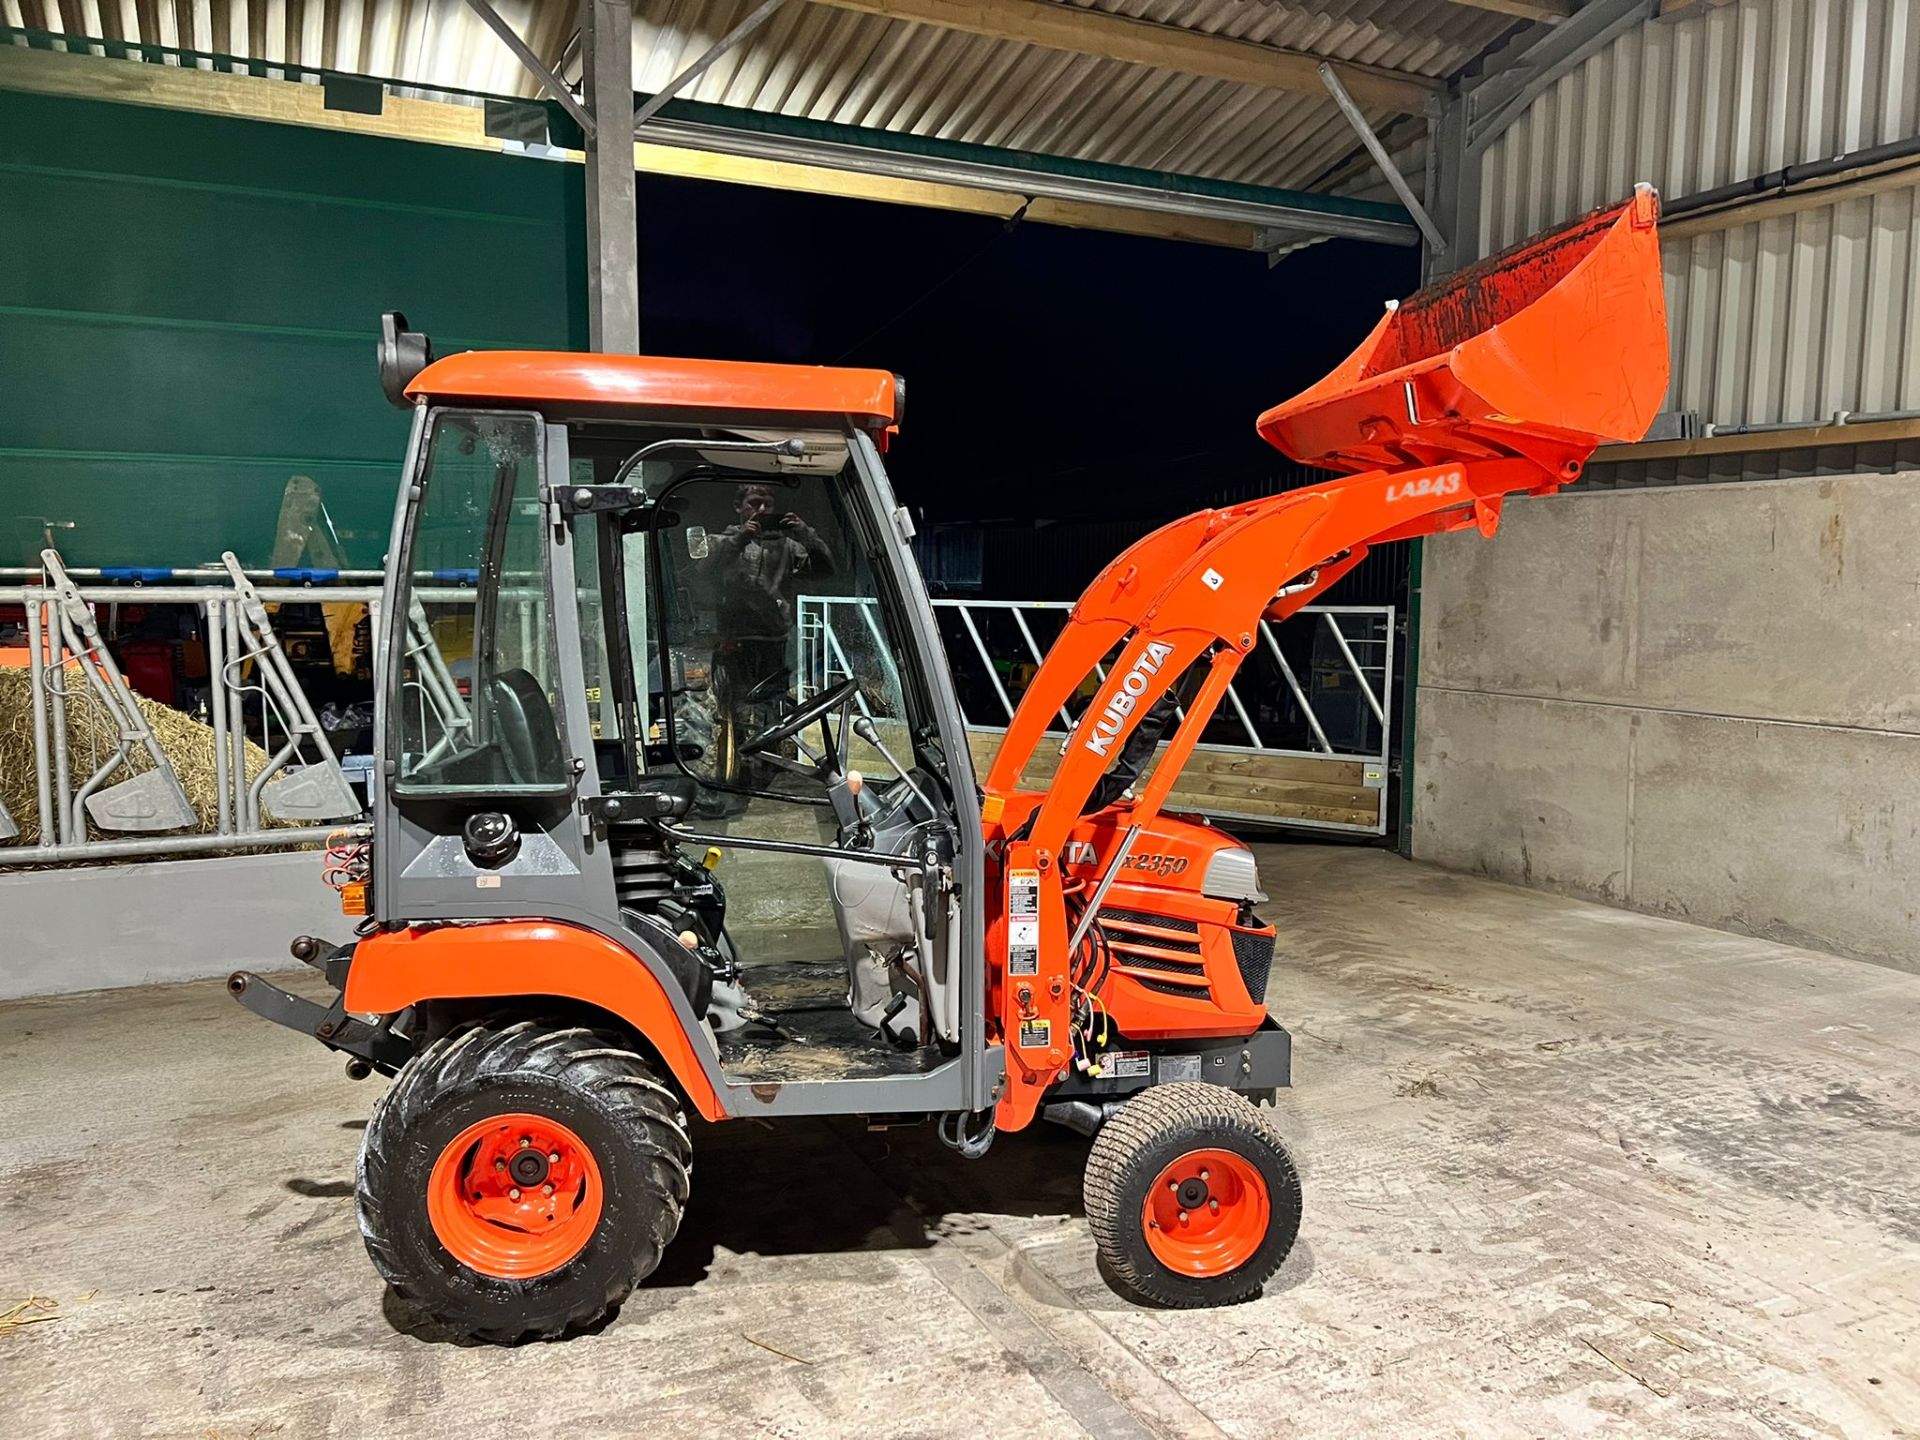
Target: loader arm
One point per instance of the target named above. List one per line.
(1500, 382)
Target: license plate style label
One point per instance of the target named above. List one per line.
(1179, 1067)
(1127, 1064)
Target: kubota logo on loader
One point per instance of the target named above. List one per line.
(1447, 484)
(1100, 739)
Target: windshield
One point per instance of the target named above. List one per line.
(769, 597)
(471, 701)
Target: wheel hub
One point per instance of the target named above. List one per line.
(528, 1167)
(1206, 1213)
(514, 1196)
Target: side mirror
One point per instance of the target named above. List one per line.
(402, 354)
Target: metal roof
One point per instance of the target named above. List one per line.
(819, 62)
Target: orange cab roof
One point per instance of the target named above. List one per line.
(567, 379)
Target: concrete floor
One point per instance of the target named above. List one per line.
(1569, 1170)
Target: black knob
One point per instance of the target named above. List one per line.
(491, 838)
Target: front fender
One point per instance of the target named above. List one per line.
(515, 958)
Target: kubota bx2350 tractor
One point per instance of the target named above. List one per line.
(674, 811)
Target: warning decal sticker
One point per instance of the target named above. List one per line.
(1023, 923)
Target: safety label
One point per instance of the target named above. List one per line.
(1127, 1064)
(1179, 1067)
(1036, 1034)
(1023, 923)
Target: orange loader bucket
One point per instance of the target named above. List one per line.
(1546, 351)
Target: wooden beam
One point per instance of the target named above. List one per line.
(1056, 26)
(1547, 12)
(435, 122)
(1808, 437)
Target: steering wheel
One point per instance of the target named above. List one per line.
(834, 697)
(770, 687)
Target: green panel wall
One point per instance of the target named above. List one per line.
(188, 309)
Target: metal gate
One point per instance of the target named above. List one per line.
(1302, 739)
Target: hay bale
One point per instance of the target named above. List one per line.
(91, 739)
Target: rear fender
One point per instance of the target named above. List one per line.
(516, 959)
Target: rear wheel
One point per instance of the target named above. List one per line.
(521, 1177)
(1191, 1196)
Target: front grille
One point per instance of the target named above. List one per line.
(1167, 987)
(1134, 960)
(1159, 922)
(1253, 953)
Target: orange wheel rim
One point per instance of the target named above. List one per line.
(514, 1196)
(1206, 1213)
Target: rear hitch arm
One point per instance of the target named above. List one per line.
(374, 1043)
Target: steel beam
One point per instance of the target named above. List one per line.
(613, 243)
(1013, 173)
(693, 72)
(523, 52)
(1436, 242)
(1498, 102)
(1454, 181)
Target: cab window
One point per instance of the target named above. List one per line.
(472, 698)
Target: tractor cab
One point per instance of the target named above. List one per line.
(663, 669)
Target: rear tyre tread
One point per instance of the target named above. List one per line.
(596, 1067)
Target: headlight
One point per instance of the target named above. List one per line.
(1232, 875)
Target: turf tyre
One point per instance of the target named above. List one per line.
(1133, 1150)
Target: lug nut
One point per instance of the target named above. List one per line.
(526, 1142)
(513, 1194)
(548, 1190)
(554, 1158)
(1214, 1206)
(1183, 1217)
(1174, 1185)
(1206, 1175)
(499, 1164)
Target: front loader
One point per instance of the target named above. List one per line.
(674, 812)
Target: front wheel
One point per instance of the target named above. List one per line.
(1192, 1199)
(521, 1177)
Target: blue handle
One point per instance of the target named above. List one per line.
(458, 577)
(301, 575)
(144, 574)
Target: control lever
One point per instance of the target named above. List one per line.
(863, 726)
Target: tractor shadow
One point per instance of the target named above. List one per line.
(831, 1187)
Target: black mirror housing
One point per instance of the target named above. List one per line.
(402, 354)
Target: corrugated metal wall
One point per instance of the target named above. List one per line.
(1722, 94)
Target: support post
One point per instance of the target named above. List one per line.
(1455, 187)
(613, 243)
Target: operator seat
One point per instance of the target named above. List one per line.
(528, 736)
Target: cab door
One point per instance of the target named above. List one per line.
(485, 743)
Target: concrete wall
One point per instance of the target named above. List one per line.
(1701, 702)
(94, 927)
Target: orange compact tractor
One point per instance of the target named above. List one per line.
(674, 812)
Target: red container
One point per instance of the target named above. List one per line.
(148, 666)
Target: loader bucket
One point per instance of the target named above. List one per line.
(1546, 350)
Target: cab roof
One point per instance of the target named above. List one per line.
(606, 385)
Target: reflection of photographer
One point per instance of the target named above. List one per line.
(761, 562)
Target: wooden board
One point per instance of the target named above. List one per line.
(1245, 784)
